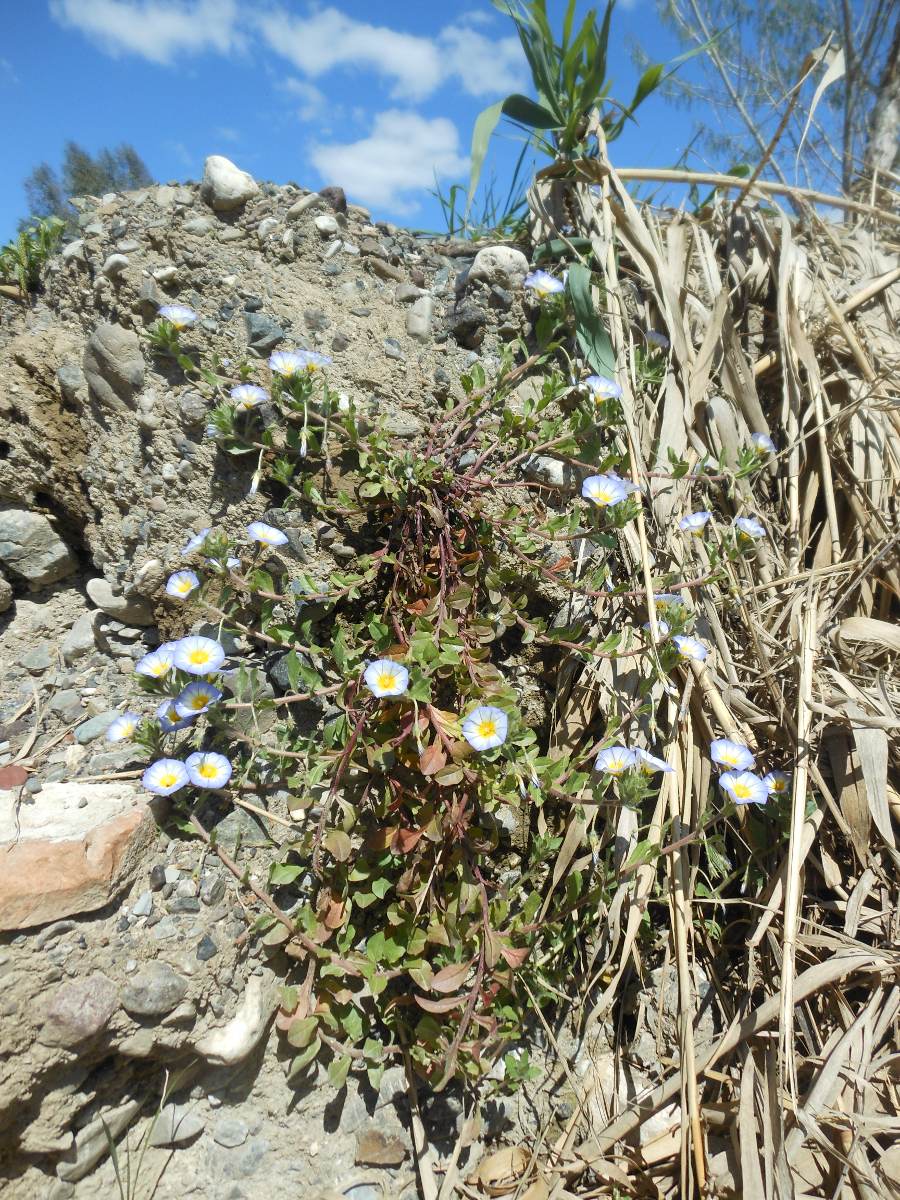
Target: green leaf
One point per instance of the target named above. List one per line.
(528, 112)
(304, 1058)
(282, 873)
(485, 124)
(590, 330)
(370, 489)
(338, 1071)
(302, 1032)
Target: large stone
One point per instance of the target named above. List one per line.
(114, 366)
(175, 1125)
(225, 186)
(32, 549)
(6, 594)
(263, 334)
(130, 610)
(79, 1011)
(70, 849)
(154, 991)
(91, 1143)
(503, 265)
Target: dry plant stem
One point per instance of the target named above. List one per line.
(795, 850)
(421, 1148)
(651, 174)
(679, 902)
(813, 980)
(850, 305)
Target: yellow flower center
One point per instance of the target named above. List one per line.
(159, 668)
(487, 728)
(778, 785)
(198, 657)
(167, 779)
(741, 791)
(184, 585)
(208, 770)
(199, 701)
(387, 680)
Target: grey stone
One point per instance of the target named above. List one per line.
(304, 204)
(212, 888)
(114, 266)
(175, 1125)
(154, 991)
(150, 297)
(503, 265)
(192, 408)
(239, 824)
(335, 197)
(38, 659)
(466, 322)
(406, 293)
(263, 334)
(541, 469)
(206, 948)
(157, 877)
(64, 701)
(32, 549)
(92, 1142)
(113, 365)
(267, 227)
(79, 1011)
(87, 731)
(198, 226)
(385, 270)
(130, 610)
(418, 319)
(230, 1132)
(392, 348)
(143, 906)
(183, 904)
(71, 380)
(80, 639)
(226, 187)
(6, 594)
(74, 252)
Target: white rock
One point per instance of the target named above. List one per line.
(503, 265)
(114, 265)
(130, 610)
(304, 204)
(327, 225)
(233, 1042)
(225, 186)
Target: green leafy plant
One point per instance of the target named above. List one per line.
(22, 259)
(570, 79)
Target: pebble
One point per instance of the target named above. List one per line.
(175, 1125)
(88, 730)
(392, 348)
(154, 991)
(327, 225)
(418, 319)
(263, 334)
(206, 948)
(157, 877)
(183, 904)
(131, 610)
(230, 1131)
(114, 266)
(143, 907)
(39, 659)
(212, 889)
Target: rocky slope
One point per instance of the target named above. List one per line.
(123, 962)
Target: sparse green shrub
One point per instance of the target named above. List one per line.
(22, 260)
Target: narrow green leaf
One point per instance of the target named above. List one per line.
(589, 329)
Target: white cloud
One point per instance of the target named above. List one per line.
(327, 39)
(225, 133)
(483, 67)
(402, 154)
(312, 101)
(158, 30)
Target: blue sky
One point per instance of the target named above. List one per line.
(377, 97)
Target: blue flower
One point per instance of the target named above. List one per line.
(749, 527)
(196, 541)
(259, 531)
(181, 584)
(690, 648)
(288, 363)
(485, 727)
(662, 627)
(657, 339)
(602, 388)
(744, 787)
(604, 490)
(166, 714)
(730, 754)
(207, 769)
(178, 315)
(615, 760)
(196, 698)
(247, 396)
(198, 655)
(649, 763)
(157, 663)
(123, 727)
(542, 284)
(763, 443)
(165, 776)
(384, 677)
(777, 783)
(694, 522)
